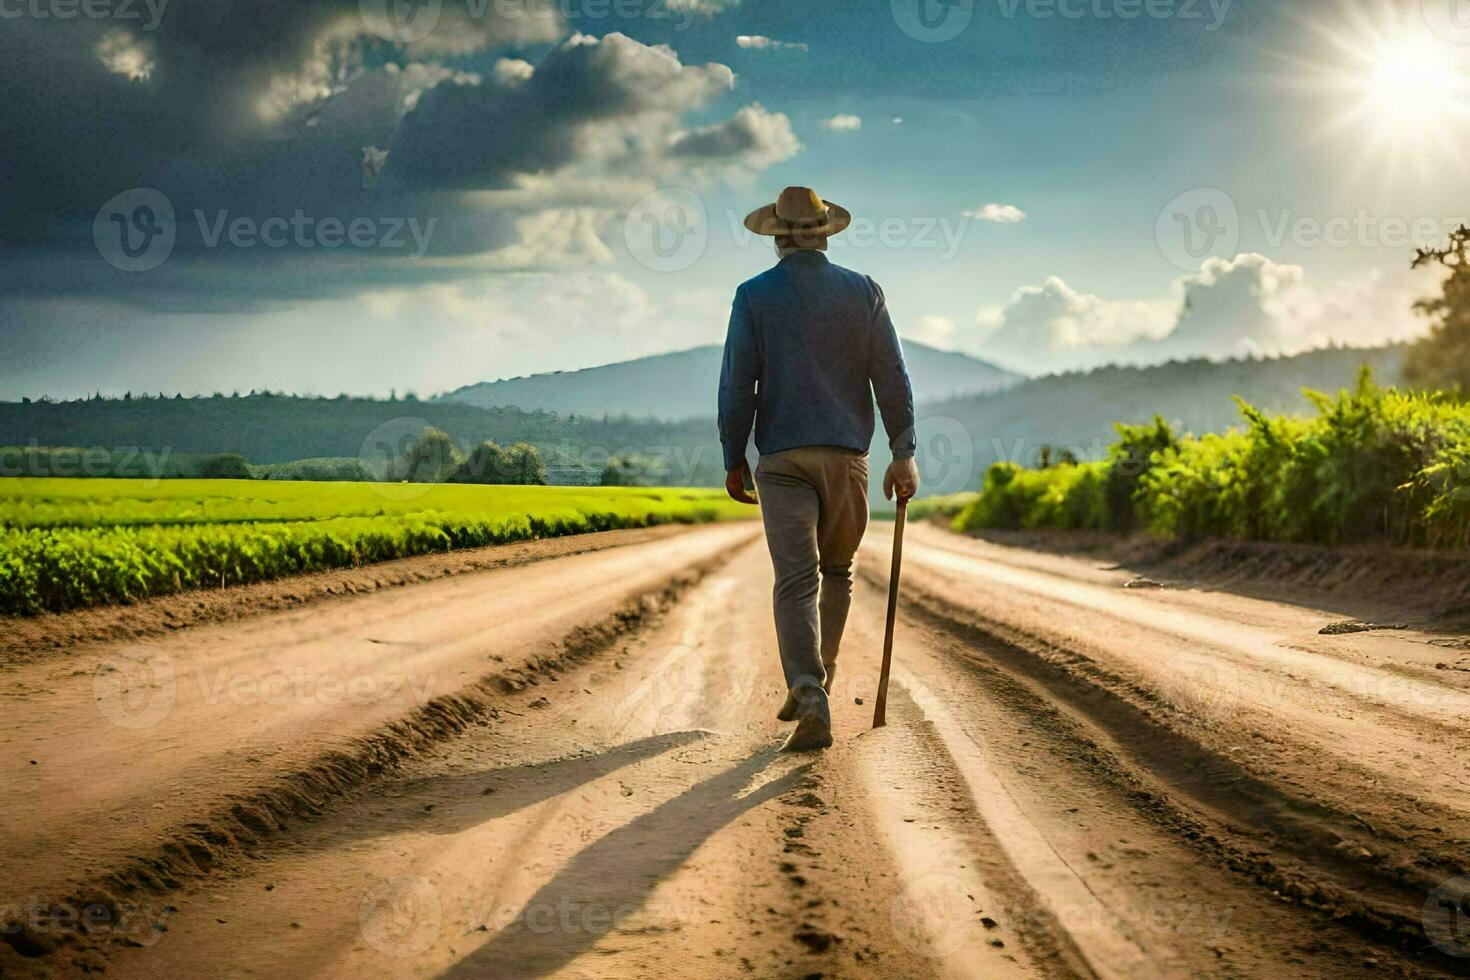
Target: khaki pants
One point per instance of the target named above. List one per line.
(814, 503)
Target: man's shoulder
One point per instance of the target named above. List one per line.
(853, 276)
(755, 282)
(777, 277)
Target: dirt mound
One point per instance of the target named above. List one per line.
(1433, 584)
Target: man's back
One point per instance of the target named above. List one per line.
(810, 344)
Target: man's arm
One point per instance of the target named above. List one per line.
(738, 376)
(890, 380)
(895, 396)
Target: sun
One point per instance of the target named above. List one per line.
(1412, 82)
(1391, 91)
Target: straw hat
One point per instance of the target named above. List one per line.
(800, 213)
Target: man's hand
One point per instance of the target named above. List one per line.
(735, 484)
(902, 477)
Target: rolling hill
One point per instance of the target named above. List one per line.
(682, 385)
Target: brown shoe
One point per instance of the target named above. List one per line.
(789, 706)
(814, 729)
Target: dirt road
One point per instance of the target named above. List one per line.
(566, 769)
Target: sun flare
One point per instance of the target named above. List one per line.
(1394, 92)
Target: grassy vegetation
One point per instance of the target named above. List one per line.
(923, 508)
(70, 543)
(1372, 466)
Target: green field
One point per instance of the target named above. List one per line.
(66, 543)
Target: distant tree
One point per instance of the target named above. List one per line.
(1051, 457)
(430, 458)
(225, 466)
(635, 470)
(520, 465)
(487, 463)
(1442, 359)
(527, 468)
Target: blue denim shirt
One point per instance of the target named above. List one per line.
(810, 346)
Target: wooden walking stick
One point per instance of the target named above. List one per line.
(879, 709)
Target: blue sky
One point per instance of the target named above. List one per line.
(1023, 175)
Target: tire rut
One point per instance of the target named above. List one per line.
(1298, 849)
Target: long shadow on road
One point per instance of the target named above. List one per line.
(614, 877)
(464, 800)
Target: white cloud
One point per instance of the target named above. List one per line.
(123, 54)
(1230, 308)
(759, 42)
(750, 140)
(1001, 214)
(513, 71)
(937, 331)
(842, 123)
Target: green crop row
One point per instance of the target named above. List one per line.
(1373, 465)
(62, 550)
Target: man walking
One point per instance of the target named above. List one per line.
(810, 346)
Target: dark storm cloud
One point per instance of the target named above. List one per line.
(276, 129)
(586, 98)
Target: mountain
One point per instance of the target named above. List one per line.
(682, 385)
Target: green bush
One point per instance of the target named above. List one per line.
(225, 466)
(1372, 466)
(325, 470)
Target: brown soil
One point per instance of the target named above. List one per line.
(1432, 586)
(1076, 779)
